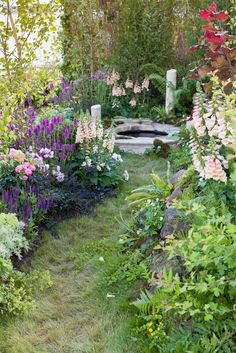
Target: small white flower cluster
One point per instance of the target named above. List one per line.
(46, 153)
(58, 174)
(87, 162)
(38, 161)
(117, 157)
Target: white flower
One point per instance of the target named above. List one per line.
(46, 153)
(145, 84)
(110, 295)
(58, 174)
(88, 161)
(126, 175)
(129, 84)
(133, 102)
(101, 259)
(117, 157)
(60, 177)
(44, 167)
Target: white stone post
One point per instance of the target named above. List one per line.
(171, 79)
(96, 112)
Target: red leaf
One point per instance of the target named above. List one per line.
(213, 38)
(209, 15)
(212, 7)
(222, 16)
(205, 15)
(210, 26)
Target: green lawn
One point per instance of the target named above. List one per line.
(75, 315)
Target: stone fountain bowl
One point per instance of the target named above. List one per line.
(136, 135)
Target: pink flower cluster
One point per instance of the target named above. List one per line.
(109, 143)
(118, 90)
(115, 76)
(88, 131)
(210, 132)
(26, 169)
(14, 154)
(209, 121)
(211, 167)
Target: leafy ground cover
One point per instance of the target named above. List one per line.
(79, 313)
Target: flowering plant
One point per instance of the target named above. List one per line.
(128, 98)
(211, 133)
(94, 159)
(15, 167)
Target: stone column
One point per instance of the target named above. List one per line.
(171, 79)
(96, 112)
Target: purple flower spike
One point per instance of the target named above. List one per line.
(45, 122)
(37, 130)
(75, 122)
(52, 125)
(5, 196)
(29, 101)
(58, 120)
(48, 130)
(30, 132)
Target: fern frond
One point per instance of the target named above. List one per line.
(144, 303)
(159, 81)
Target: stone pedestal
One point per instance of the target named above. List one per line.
(171, 79)
(96, 112)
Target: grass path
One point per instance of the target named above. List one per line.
(75, 315)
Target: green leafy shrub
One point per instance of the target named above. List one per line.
(180, 157)
(12, 240)
(201, 300)
(17, 288)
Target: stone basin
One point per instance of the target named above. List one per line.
(136, 135)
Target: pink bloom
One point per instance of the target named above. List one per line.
(18, 169)
(32, 167)
(28, 171)
(26, 165)
(137, 88)
(21, 158)
(25, 178)
(118, 91)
